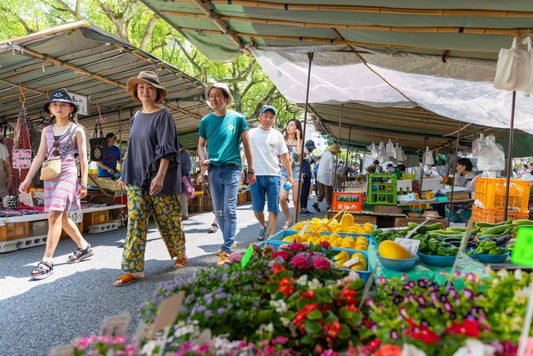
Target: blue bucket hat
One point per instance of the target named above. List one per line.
(267, 107)
(62, 96)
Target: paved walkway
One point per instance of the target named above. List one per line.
(73, 301)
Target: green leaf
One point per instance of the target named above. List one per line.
(345, 332)
(345, 314)
(330, 317)
(272, 287)
(313, 327)
(314, 315)
(307, 340)
(263, 316)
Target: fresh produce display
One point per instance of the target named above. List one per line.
(383, 235)
(488, 247)
(334, 239)
(435, 246)
(346, 224)
(393, 250)
(342, 257)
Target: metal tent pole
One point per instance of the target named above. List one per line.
(509, 156)
(296, 199)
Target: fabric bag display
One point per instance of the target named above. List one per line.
(51, 168)
(513, 68)
(21, 155)
(428, 157)
(187, 186)
(98, 144)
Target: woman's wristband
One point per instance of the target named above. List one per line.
(83, 186)
(251, 172)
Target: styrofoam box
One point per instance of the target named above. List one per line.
(404, 184)
(431, 183)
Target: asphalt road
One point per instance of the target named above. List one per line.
(73, 301)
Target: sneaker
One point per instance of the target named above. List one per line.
(212, 229)
(222, 258)
(305, 213)
(121, 242)
(315, 206)
(262, 232)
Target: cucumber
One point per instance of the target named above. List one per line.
(456, 229)
(496, 230)
(523, 222)
(484, 225)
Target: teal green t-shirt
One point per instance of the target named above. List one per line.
(223, 135)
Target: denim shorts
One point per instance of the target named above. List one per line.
(295, 173)
(265, 186)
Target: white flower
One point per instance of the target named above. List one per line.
(314, 284)
(280, 305)
(516, 323)
(410, 350)
(518, 274)
(475, 347)
(302, 280)
(286, 322)
(185, 329)
(265, 328)
(495, 281)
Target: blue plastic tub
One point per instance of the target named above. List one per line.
(439, 261)
(276, 240)
(362, 274)
(398, 265)
(491, 258)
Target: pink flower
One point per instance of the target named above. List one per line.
(235, 257)
(283, 254)
(297, 247)
(322, 263)
(300, 262)
(325, 245)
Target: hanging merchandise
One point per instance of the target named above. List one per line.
(513, 68)
(382, 156)
(389, 150)
(98, 142)
(428, 158)
(21, 155)
(491, 156)
(399, 155)
(373, 151)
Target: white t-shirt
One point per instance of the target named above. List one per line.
(326, 168)
(267, 146)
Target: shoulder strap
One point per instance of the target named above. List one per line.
(72, 131)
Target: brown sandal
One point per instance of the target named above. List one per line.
(180, 262)
(126, 279)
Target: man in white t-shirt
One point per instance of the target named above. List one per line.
(267, 145)
(6, 174)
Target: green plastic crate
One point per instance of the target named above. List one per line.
(381, 189)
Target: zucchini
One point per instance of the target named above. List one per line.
(523, 222)
(495, 231)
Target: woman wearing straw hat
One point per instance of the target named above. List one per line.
(151, 176)
(62, 139)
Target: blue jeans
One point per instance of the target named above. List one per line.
(265, 186)
(225, 181)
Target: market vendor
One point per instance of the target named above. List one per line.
(108, 168)
(465, 176)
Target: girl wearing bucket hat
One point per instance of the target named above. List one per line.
(152, 179)
(63, 139)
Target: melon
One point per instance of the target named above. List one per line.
(393, 250)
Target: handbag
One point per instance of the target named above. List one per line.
(98, 144)
(51, 168)
(21, 155)
(187, 186)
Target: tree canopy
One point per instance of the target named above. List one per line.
(132, 21)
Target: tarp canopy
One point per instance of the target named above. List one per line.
(92, 63)
(426, 55)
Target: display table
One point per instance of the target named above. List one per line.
(18, 232)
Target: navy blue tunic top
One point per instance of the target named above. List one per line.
(152, 137)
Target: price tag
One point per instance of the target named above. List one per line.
(351, 262)
(75, 216)
(302, 231)
(409, 244)
(116, 325)
(167, 313)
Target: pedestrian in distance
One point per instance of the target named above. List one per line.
(65, 139)
(307, 177)
(151, 177)
(108, 168)
(221, 133)
(267, 145)
(293, 140)
(326, 177)
(185, 164)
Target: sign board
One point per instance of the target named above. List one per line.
(76, 216)
(81, 101)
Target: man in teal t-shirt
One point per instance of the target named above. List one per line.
(221, 133)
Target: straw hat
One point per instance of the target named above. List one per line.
(222, 86)
(62, 96)
(334, 148)
(147, 77)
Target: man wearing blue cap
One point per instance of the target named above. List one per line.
(267, 145)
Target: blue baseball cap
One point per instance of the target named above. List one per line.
(267, 107)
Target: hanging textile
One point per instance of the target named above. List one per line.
(22, 154)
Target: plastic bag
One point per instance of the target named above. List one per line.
(513, 68)
(389, 149)
(373, 150)
(428, 158)
(187, 186)
(491, 156)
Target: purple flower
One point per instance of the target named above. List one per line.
(443, 298)
(422, 283)
(220, 311)
(424, 322)
(468, 293)
(394, 334)
(409, 285)
(421, 300)
(381, 280)
(453, 316)
(452, 292)
(208, 313)
(447, 306)
(397, 299)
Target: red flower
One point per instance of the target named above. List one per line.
(325, 245)
(277, 268)
(333, 329)
(286, 287)
(296, 247)
(421, 332)
(374, 344)
(300, 316)
(349, 295)
(468, 328)
(309, 294)
(389, 350)
(282, 253)
(322, 263)
(352, 308)
(325, 307)
(300, 262)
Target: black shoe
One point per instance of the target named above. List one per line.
(315, 206)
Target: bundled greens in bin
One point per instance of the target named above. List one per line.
(435, 246)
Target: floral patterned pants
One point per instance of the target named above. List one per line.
(166, 210)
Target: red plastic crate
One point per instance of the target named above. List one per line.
(350, 201)
(491, 192)
(495, 215)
